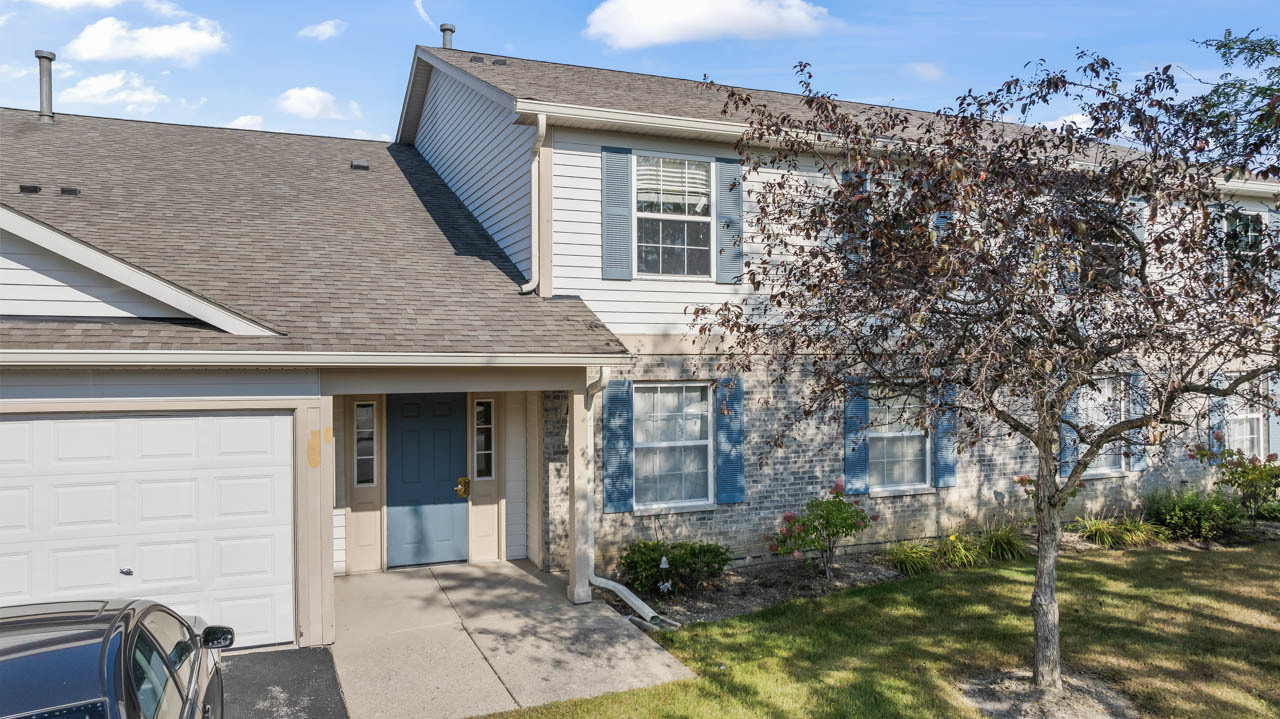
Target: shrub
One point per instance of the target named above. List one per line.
(1270, 511)
(957, 551)
(1138, 532)
(1256, 481)
(821, 527)
(1194, 514)
(672, 567)
(1002, 542)
(912, 558)
(1105, 532)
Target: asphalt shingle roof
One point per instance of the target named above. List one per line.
(279, 228)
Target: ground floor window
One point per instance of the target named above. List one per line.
(898, 451)
(1244, 427)
(484, 439)
(673, 430)
(366, 445)
(1101, 408)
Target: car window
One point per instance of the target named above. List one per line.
(174, 641)
(157, 692)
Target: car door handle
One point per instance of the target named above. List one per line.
(127, 571)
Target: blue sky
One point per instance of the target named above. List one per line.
(339, 68)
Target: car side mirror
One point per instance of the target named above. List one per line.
(216, 637)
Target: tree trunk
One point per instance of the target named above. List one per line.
(1044, 600)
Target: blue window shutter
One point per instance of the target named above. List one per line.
(615, 213)
(1068, 442)
(1275, 270)
(1273, 423)
(1139, 404)
(857, 414)
(1217, 417)
(728, 220)
(619, 475)
(941, 220)
(946, 452)
(731, 485)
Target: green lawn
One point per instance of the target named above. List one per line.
(1185, 633)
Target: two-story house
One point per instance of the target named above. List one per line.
(234, 363)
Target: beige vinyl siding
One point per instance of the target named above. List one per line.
(483, 157)
(642, 305)
(35, 281)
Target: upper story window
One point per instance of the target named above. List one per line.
(898, 451)
(672, 444)
(1102, 408)
(673, 216)
(1244, 241)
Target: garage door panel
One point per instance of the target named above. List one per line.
(197, 511)
(17, 446)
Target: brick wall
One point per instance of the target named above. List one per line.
(805, 467)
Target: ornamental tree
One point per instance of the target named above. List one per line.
(1009, 274)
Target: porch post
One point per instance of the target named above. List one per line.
(580, 539)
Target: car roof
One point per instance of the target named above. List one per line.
(51, 654)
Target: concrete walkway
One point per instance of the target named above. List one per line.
(465, 639)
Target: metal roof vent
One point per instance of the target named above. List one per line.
(360, 164)
(29, 189)
(499, 61)
(69, 191)
(446, 36)
(477, 58)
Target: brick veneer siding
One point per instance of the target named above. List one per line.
(805, 467)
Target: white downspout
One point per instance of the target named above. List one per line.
(643, 610)
(534, 219)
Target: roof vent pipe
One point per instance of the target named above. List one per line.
(447, 31)
(46, 59)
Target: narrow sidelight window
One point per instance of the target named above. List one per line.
(484, 439)
(366, 444)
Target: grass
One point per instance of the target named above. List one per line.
(1185, 633)
(1124, 531)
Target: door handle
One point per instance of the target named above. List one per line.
(463, 488)
(127, 571)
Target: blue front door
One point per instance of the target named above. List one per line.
(426, 454)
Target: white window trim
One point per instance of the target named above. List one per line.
(355, 452)
(1263, 218)
(916, 488)
(493, 439)
(1096, 472)
(710, 277)
(686, 504)
(1252, 413)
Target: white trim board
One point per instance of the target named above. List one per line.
(184, 358)
(116, 269)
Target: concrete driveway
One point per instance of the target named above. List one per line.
(465, 639)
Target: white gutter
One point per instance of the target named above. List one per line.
(534, 220)
(643, 122)
(25, 357)
(643, 610)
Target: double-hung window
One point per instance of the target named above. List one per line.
(673, 444)
(897, 450)
(673, 216)
(1102, 408)
(1244, 427)
(1244, 242)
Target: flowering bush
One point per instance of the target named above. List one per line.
(1255, 480)
(669, 568)
(821, 527)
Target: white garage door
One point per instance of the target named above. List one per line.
(193, 510)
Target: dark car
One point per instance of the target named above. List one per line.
(121, 659)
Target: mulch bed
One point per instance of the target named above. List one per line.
(1010, 695)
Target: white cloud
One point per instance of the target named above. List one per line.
(323, 30)
(417, 4)
(927, 71)
(1079, 119)
(247, 122)
(5, 18)
(185, 42)
(632, 24)
(115, 88)
(312, 102)
(74, 4)
(364, 135)
(165, 8)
